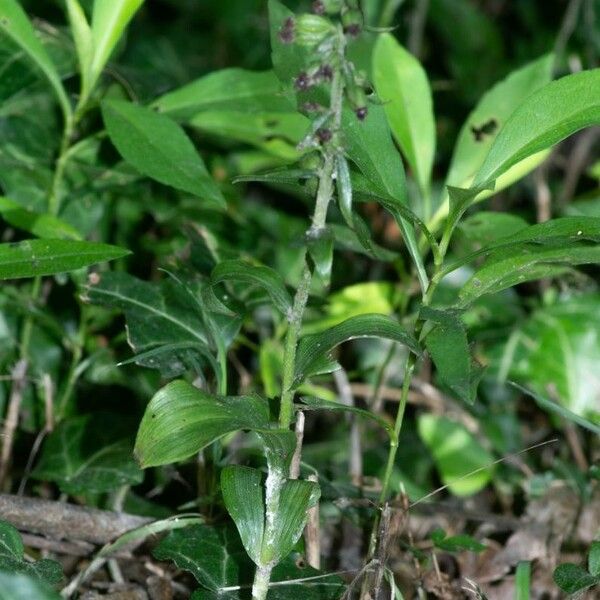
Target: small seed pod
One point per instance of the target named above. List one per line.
(324, 135)
(330, 7)
(352, 22)
(311, 30)
(361, 112)
(303, 82)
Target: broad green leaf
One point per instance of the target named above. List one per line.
(314, 351)
(278, 446)
(109, 20)
(17, 585)
(31, 258)
(255, 275)
(571, 578)
(180, 420)
(218, 560)
(229, 90)
(89, 454)
(490, 115)
(12, 558)
(42, 225)
(561, 411)
(297, 496)
(242, 491)
(529, 263)
(448, 347)
(523, 580)
(84, 43)
(403, 88)
(320, 251)
(370, 146)
(158, 148)
(484, 227)
(15, 24)
(312, 403)
(546, 117)
(165, 327)
(276, 133)
(563, 233)
(594, 559)
(456, 454)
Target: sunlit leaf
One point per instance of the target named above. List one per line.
(546, 117)
(456, 453)
(84, 43)
(48, 257)
(402, 86)
(158, 148)
(181, 419)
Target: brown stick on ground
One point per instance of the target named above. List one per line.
(12, 417)
(60, 520)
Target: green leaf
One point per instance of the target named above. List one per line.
(402, 86)
(180, 420)
(31, 258)
(227, 89)
(485, 228)
(448, 347)
(561, 411)
(15, 24)
(109, 20)
(12, 558)
(84, 43)
(158, 148)
(218, 560)
(166, 329)
(493, 110)
(89, 454)
(455, 543)
(320, 250)
(297, 496)
(17, 585)
(546, 117)
(523, 580)
(256, 275)
(456, 454)
(42, 225)
(370, 147)
(594, 559)
(526, 264)
(243, 496)
(313, 355)
(312, 403)
(572, 578)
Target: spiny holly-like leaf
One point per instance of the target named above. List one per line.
(159, 148)
(313, 356)
(180, 420)
(48, 257)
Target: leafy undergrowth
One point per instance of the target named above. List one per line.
(299, 300)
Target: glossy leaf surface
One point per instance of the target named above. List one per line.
(314, 351)
(48, 257)
(180, 420)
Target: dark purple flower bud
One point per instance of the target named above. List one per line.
(352, 30)
(302, 82)
(325, 72)
(324, 135)
(318, 7)
(361, 113)
(286, 33)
